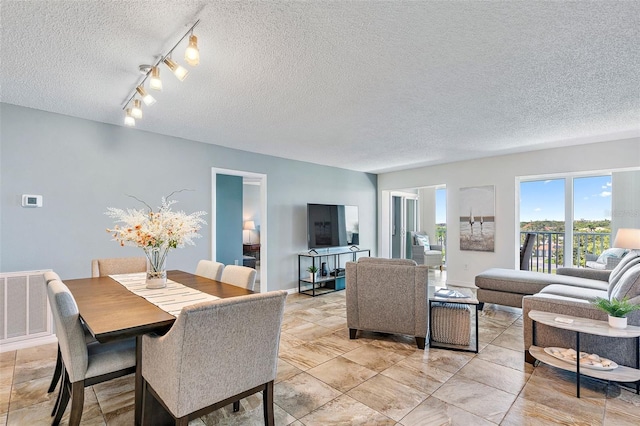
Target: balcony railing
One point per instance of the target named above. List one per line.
(548, 249)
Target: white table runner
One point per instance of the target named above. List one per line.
(170, 299)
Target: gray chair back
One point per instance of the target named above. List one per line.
(214, 351)
(50, 276)
(118, 265)
(210, 269)
(240, 276)
(71, 339)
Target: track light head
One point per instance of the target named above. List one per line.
(146, 98)
(179, 71)
(155, 83)
(128, 118)
(136, 110)
(192, 54)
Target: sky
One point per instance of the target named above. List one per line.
(544, 199)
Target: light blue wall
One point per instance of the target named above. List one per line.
(82, 167)
(229, 219)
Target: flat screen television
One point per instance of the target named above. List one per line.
(332, 225)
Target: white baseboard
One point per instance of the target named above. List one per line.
(461, 284)
(28, 343)
(293, 290)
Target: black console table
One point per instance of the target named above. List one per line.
(335, 259)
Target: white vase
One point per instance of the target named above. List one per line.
(617, 322)
(312, 276)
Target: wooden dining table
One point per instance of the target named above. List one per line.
(111, 312)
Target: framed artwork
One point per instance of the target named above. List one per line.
(477, 218)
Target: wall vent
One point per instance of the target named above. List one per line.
(25, 319)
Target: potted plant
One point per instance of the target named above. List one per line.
(313, 270)
(617, 310)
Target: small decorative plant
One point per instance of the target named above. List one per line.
(313, 269)
(616, 308)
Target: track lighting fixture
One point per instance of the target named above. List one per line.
(155, 83)
(179, 71)
(132, 106)
(146, 98)
(192, 54)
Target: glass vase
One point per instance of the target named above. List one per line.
(156, 267)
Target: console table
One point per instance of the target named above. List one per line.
(585, 325)
(335, 279)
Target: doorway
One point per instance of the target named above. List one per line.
(257, 179)
(404, 220)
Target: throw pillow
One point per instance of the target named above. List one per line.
(612, 252)
(629, 284)
(423, 240)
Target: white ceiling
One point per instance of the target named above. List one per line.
(363, 85)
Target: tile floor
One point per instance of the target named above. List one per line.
(326, 379)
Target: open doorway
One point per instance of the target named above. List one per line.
(259, 180)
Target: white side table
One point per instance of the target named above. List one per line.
(585, 325)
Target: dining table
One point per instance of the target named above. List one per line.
(112, 312)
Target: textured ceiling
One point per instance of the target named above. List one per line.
(369, 86)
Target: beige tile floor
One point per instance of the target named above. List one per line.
(326, 379)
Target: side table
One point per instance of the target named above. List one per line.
(585, 325)
(433, 299)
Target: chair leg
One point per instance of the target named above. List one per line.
(65, 389)
(56, 373)
(236, 406)
(56, 406)
(420, 341)
(352, 333)
(146, 404)
(77, 402)
(480, 306)
(267, 404)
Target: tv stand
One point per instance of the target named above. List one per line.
(317, 285)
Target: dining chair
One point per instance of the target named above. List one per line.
(240, 276)
(57, 372)
(210, 269)
(84, 364)
(117, 265)
(215, 354)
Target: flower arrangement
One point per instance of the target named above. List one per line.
(155, 232)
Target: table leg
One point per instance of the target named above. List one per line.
(138, 382)
(477, 338)
(578, 364)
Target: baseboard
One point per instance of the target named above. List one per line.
(293, 290)
(28, 343)
(461, 284)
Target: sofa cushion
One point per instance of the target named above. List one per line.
(629, 285)
(631, 259)
(573, 292)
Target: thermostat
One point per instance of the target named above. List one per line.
(31, 200)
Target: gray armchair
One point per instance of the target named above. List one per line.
(431, 257)
(387, 295)
(215, 354)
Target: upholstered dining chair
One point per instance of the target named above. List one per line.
(215, 354)
(210, 269)
(84, 364)
(57, 372)
(240, 276)
(117, 265)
